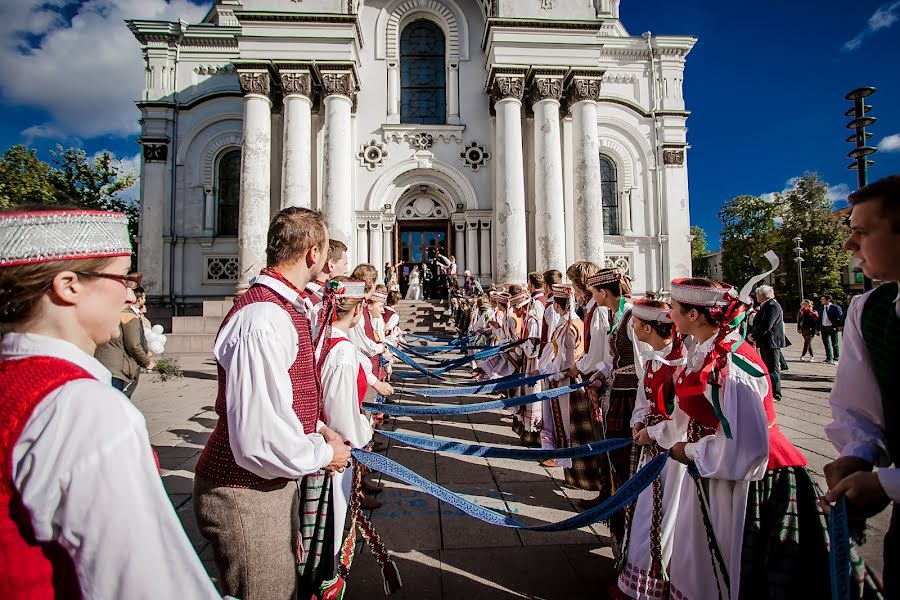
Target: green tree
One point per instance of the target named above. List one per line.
(809, 214)
(749, 229)
(24, 178)
(698, 249)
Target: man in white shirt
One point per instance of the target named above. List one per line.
(335, 266)
(866, 426)
(270, 433)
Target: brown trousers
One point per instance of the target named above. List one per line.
(253, 534)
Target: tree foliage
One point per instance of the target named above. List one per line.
(93, 183)
(698, 248)
(753, 224)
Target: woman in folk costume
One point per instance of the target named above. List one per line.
(754, 505)
(84, 512)
(649, 541)
(497, 366)
(344, 387)
(527, 418)
(363, 334)
(565, 347)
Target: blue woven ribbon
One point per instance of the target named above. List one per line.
(629, 491)
(450, 341)
(468, 409)
(839, 557)
(448, 365)
(455, 447)
(438, 349)
(488, 387)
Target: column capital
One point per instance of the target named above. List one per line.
(458, 219)
(339, 82)
(295, 80)
(583, 85)
(254, 80)
(546, 84)
(507, 83)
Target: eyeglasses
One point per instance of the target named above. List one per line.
(131, 281)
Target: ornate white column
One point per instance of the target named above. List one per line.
(375, 246)
(339, 88)
(255, 175)
(459, 242)
(362, 243)
(485, 247)
(296, 173)
(625, 211)
(387, 240)
(549, 220)
(510, 239)
(583, 92)
(453, 94)
(393, 93)
(471, 262)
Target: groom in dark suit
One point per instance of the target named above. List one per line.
(768, 333)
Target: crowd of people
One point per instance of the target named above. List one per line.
(735, 513)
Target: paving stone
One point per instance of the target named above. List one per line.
(420, 571)
(462, 531)
(409, 519)
(538, 503)
(457, 468)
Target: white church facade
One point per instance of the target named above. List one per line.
(516, 135)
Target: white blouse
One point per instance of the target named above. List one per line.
(340, 370)
(85, 471)
(599, 351)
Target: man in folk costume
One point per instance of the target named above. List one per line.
(753, 504)
(497, 365)
(565, 348)
(864, 399)
(335, 266)
(651, 520)
(622, 371)
(269, 434)
(527, 418)
(84, 512)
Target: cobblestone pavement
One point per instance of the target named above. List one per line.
(442, 553)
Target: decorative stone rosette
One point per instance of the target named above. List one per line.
(474, 156)
(372, 155)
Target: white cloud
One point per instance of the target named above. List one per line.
(85, 73)
(884, 17)
(838, 193)
(890, 143)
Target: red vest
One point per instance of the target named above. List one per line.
(690, 388)
(659, 385)
(29, 570)
(362, 384)
(217, 464)
(377, 369)
(588, 319)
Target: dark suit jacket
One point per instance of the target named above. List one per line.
(768, 325)
(835, 315)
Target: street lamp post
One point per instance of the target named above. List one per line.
(798, 250)
(861, 150)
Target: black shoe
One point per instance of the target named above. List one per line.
(371, 487)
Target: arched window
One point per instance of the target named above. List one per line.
(609, 194)
(423, 84)
(228, 193)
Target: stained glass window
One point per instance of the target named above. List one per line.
(609, 194)
(423, 87)
(229, 193)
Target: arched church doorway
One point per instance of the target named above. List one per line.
(423, 240)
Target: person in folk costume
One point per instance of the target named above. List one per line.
(864, 399)
(566, 346)
(585, 472)
(378, 310)
(497, 365)
(335, 266)
(269, 437)
(649, 542)
(754, 504)
(622, 372)
(551, 317)
(480, 319)
(84, 512)
(363, 335)
(392, 331)
(527, 418)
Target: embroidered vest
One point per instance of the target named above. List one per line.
(659, 385)
(622, 349)
(362, 384)
(217, 464)
(30, 570)
(880, 327)
(588, 320)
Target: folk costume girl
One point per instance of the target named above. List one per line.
(84, 513)
(649, 541)
(754, 504)
(566, 346)
(497, 365)
(527, 418)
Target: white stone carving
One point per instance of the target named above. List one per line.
(423, 207)
(222, 269)
(618, 261)
(475, 156)
(372, 155)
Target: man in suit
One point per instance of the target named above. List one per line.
(831, 320)
(768, 333)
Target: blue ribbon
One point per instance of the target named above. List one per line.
(454, 447)
(447, 365)
(839, 557)
(468, 409)
(488, 387)
(454, 341)
(626, 494)
(439, 349)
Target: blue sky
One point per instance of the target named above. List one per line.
(765, 84)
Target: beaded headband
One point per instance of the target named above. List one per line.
(377, 296)
(50, 235)
(347, 289)
(648, 313)
(604, 276)
(520, 300)
(700, 295)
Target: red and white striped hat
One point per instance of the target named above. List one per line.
(645, 312)
(702, 295)
(50, 235)
(521, 299)
(377, 296)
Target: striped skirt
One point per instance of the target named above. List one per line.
(585, 472)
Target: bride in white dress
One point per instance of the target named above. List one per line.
(414, 291)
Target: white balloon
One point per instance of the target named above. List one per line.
(163, 339)
(157, 329)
